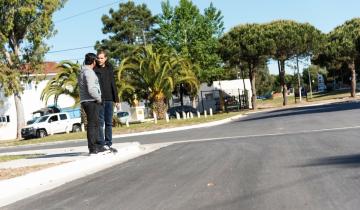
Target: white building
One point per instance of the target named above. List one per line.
(31, 102)
(208, 95)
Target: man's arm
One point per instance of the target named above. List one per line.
(93, 86)
(113, 86)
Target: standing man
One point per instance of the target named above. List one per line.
(105, 73)
(90, 99)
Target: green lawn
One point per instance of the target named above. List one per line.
(5, 158)
(330, 95)
(274, 102)
(316, 97)
(133, 128)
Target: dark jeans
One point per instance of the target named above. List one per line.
(92, 113)
(105, 117)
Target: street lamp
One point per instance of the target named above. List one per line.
(310, 83)
(298, 74)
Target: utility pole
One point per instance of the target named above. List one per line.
(144, 37)
(298, 74)
(310, 83)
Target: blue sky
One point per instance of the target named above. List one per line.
(84, 30)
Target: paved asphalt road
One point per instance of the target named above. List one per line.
(302, 158)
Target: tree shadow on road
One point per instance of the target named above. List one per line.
(335, 107)
(349, 161)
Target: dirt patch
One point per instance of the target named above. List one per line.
(8, 173)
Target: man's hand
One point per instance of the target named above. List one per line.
(117, 105)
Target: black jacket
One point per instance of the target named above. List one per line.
(106, 75)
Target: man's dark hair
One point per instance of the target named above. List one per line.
(90, 58)
(102, 52)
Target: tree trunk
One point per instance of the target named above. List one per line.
(182, 94)
(19, 115)
(353, 78)
(193, 101)
(282, 81)
(159, 106)
(253, 87)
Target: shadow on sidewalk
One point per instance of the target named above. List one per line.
(71, 154)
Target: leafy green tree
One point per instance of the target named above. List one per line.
(314, 70)
(247, 44)
(64, 83)
(291, 80)
(264, 81)
(292, 39)
(155, 73)
(193, 35)
(128, 27)
(24, 26)
(343, 47)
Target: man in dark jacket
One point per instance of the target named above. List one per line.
(105, 73)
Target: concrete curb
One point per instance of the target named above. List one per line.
(18, 188)
(165, 130)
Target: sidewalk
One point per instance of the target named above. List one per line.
(73, 162)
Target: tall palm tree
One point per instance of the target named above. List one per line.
(156, 72)
(65, 82)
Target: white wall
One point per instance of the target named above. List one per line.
(31, 102)
(230, 87)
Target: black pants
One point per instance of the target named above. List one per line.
(92, 113)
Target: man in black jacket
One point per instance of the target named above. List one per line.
(105, 73)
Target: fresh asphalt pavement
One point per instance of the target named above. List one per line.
(300, 158)
(293, 120)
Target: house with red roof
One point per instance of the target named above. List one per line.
(30, 100)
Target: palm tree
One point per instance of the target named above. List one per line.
(156, 72)
(65, 82)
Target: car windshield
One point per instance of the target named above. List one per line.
(42, 119)
(32, 121)
(122, 114)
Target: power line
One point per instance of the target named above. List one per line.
(70, 49)
(69, 59)
(85, 12)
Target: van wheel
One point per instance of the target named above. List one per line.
(41, 133)
(76, 128)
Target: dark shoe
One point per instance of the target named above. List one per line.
(111, 149)
(101, 149)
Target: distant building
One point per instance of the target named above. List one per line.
(321, 83)
(31, 102)
(209, 96)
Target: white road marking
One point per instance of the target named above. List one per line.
(265, 135)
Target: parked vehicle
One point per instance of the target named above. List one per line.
(73, 112)
(231, 103)
(41, 112)
(180, 109)
(123, 117)
(51, 124)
